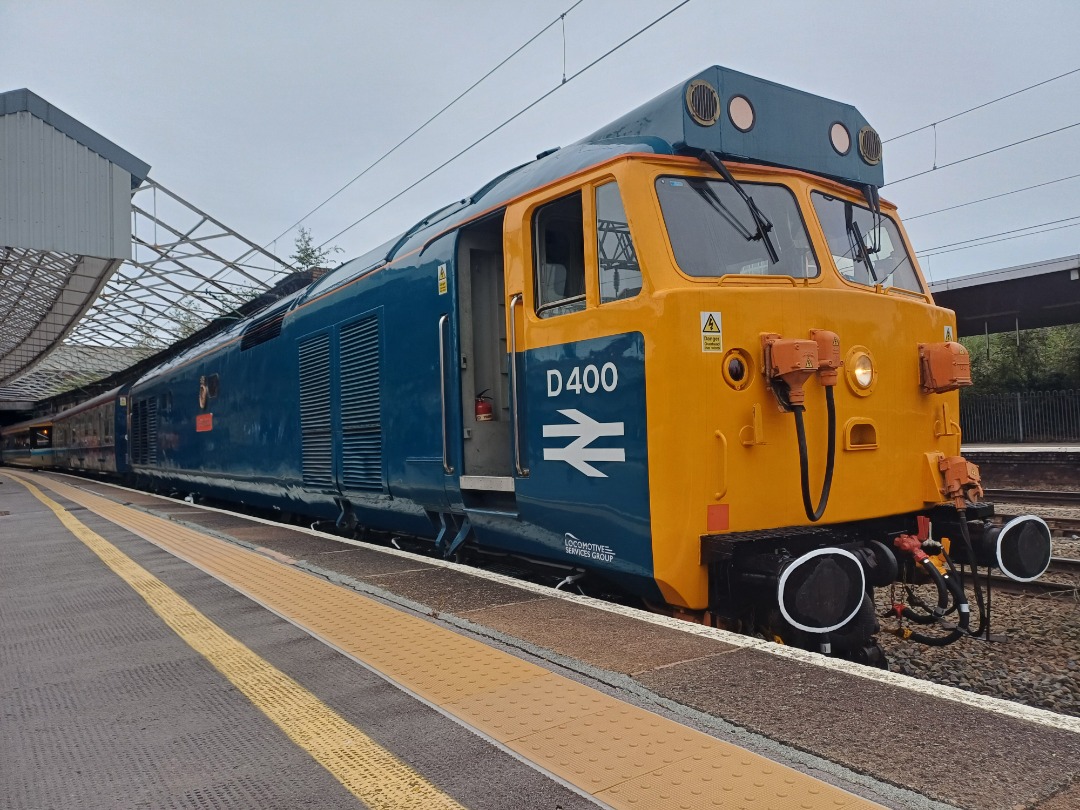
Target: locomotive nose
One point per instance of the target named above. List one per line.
(822, 590)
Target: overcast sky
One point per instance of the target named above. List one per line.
(256, 112)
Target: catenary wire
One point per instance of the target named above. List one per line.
(1009, 238)
(1004, 233)
(980, 106)
(407, 138)
(992, 197)
(990, 236)
(512, 118)
(983, 154)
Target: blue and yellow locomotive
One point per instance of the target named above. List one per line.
(691, 355)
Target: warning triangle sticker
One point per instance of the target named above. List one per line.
(710, 325)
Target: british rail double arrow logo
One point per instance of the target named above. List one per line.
(585, 431)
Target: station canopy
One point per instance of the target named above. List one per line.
(1028, 296)
(100, 265)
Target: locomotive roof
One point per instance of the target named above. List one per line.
(667, 125)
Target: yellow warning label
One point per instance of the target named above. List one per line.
(810, 363)
(712, 337)
(442, 279)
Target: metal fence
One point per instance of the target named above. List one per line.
(1033, 416)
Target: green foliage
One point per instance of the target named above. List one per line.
(307, 255)
(1045, 360)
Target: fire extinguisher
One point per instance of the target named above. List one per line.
(484, 412)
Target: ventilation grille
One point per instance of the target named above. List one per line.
(702, 102)
(870, 146)
(315, 433)
(262, 330)
(361, 430)
(144, 431)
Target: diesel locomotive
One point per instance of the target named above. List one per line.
(691, 356)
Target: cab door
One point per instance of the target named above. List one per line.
(580, 449)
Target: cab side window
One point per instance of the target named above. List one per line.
(559, 257)
(620, 273)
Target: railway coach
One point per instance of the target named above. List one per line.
(88, 437)
(28, 444)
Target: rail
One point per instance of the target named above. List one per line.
(1046, 584)
(1045, 497)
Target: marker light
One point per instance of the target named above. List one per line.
(741, 113)
(840, 137)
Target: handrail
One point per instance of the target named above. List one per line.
(442, 394)
(521, 471)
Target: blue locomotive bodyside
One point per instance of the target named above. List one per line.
(343, 402)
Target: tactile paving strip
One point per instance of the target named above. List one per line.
(625, 756)
(371, 773)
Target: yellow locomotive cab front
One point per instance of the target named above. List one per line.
(723, 443)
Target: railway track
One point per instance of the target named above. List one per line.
(1046, 497)
(1056, 524)
(1062, 577)
(1051, 498)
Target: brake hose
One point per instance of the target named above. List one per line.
(932, 614)
(983, 613)
(804, 465)
(945, 586)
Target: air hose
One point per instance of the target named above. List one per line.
(983, 613)
(813, 514)
(945, 586)
(932, 614)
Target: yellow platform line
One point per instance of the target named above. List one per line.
(625, 756)
(370, 772)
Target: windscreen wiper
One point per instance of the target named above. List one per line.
(762, 221)
(703, 188)
(855, 237)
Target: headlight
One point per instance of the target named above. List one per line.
(861, 373)
(863, 369)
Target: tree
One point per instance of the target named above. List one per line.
(1045, 359)
(307, 255)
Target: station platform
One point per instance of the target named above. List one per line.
(1027, 466)
(155, 653)
(1072, 450)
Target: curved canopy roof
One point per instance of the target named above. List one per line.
(100, 266)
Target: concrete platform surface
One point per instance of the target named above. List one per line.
(898, 742)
